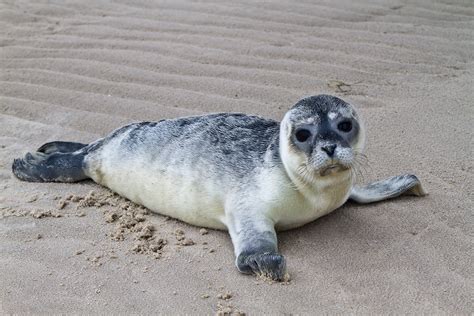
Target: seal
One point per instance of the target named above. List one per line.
(250, 175)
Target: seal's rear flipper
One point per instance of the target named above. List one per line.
(55, 167)
(60, 147)
(407, 184)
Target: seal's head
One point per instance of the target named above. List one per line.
(321, 136)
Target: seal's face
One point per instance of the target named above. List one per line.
(324, 135)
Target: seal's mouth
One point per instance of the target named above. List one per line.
(332, 168)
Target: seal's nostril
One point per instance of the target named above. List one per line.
(329, 149)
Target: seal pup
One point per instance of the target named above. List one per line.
(249, 175)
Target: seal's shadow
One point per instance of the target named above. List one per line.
(345, 225)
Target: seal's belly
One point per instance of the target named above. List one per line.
(179, 194)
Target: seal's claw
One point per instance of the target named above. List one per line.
(413, 185)
(270, 265)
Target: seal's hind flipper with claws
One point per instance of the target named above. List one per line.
(55, 167)
(407, 184)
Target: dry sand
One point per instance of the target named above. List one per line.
(75, 70)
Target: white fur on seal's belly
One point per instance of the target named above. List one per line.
(200, 201)
(180, 196)
(176, 193)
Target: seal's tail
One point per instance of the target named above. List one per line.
(53, 162)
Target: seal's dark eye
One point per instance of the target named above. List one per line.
(302, 135)
(345, 126)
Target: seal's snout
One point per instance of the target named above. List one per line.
(329, 149)
(331, 156)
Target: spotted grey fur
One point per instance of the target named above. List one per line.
(249, 175)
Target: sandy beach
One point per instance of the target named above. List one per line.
(76, 70)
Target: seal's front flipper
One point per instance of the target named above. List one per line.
(407, 184)
(271, 265)
(55, 167)
(60, 147)
(255, 246)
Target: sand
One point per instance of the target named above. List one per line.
(75, 70)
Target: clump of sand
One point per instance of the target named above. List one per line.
(45, 213)
(224, 305)
(228, 310)
(130, 221)
(36, 212)
(267, 279)
(225, 296)
(181, 238)
(151, 246)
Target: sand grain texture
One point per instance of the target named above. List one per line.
(75, 70)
